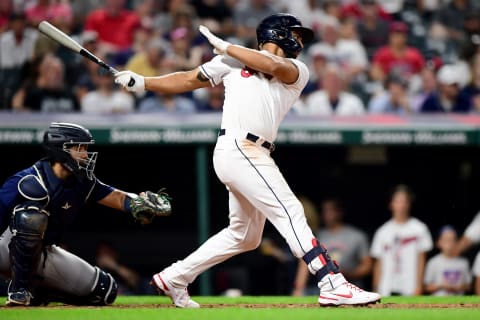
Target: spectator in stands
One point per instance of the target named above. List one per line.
(332, 8)
(395, 99)
(47, 92)
(86, 70)
(80, 10)
(211, 100)
(447, 98)
(166, 103)
(6, 10)
(354, 9)
(311, 13)
(332, 98)
(349, 54)
(470, 237)
(59, 13)
(392, 7)
(476, 274)
(152, 61)
(115, 26)
(216, 15)
(348, 246)
(399, 248)
(471, 91)
(107, 98)
(247, 16)
(470, 45)
(396, 57)
(427, 86)
(17, 43)
(16, 52)
(185, 56)
(372, 28)
(445, 273)
(452, 16)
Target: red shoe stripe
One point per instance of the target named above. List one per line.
(348, 296)
(164, 285)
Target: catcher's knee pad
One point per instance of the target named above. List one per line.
(29, 220)
(104, 289)
(319, 261)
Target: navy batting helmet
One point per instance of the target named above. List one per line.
(60, 137)
(277, 28)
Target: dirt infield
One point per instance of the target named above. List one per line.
(278, 306)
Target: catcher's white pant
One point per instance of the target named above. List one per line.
(59, 269)
(257, 191)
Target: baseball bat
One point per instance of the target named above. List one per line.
(60, 37)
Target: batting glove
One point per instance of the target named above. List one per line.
(130, 81)
(220, 46)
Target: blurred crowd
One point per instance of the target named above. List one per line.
(369, 56)
(405, 257)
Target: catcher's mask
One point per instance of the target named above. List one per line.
(58, 141)
(277, 28)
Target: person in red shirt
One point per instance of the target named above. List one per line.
(114, 24)
(396, 57)
(58, 13)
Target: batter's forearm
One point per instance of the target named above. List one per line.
(177, 82)
(269, 64)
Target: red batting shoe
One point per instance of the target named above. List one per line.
(179, 296)
(335, 290)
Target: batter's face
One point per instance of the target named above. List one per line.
(297, 36)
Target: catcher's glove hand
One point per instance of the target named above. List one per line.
(148, 205)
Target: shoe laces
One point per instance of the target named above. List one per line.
(351, 286)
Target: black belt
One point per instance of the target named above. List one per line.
(250, 136)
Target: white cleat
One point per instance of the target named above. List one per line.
(179, 296)
(335, 290)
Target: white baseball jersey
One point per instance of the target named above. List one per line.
(473, 230)
(253, 103)
(476, 266)
(257, 190)
(441, 269)
(397, 246)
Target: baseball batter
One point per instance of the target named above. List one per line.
(38, 203)
(260, 88)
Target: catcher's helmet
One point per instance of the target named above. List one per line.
(60, 137)
(277, 28)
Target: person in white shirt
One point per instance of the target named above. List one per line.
(260, 89)
(471, 236)
(332, 99)
(399, 247)
(107, 98)
(445, 273)
(476, 274)
(348, 54)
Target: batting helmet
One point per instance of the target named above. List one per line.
(60, 137)
(277, 28)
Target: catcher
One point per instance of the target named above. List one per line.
(36, 206)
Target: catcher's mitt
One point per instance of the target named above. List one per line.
(146, 207)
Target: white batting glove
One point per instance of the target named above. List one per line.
(220, 46)
(131, 81)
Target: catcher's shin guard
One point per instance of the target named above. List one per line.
(319, 262)
(104, 289)
(28, 225)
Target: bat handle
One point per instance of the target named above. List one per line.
(114, 71)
